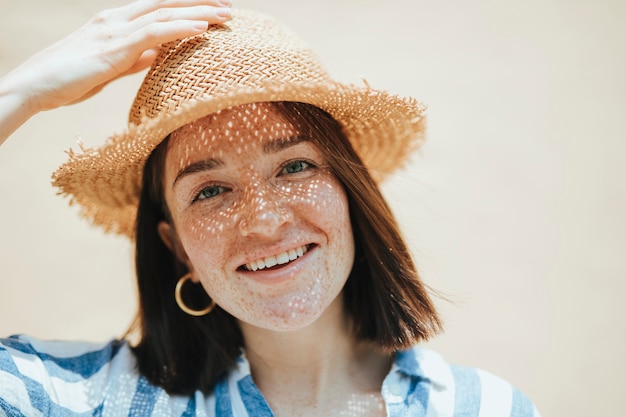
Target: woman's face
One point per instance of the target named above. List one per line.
(257, 217)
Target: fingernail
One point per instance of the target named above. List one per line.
(226, 2)
(223, 12)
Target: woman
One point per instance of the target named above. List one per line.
(272, 277)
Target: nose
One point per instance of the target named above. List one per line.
(263, 210)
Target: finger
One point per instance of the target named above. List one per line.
(207, 14)
(143, 7)
(162, 32)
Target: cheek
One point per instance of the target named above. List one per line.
(329, 202)
(203, 234)
(200, 224)
(323, 196)
(328, 210)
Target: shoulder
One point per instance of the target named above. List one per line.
(77, 379)
(463, 391)
(46, 374)
(65, 360)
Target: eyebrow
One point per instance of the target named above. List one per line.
(269, 147)
(204, 165)
(277, 145)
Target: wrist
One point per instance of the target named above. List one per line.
(16, 107)
(14, 93)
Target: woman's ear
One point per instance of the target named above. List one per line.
(170, 239)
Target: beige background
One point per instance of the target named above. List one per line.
(514, 208)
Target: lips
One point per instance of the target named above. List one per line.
(278, 259)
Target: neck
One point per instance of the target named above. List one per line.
(314, 365)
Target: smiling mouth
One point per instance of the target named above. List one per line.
(277, 260)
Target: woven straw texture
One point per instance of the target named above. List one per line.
(253, 58)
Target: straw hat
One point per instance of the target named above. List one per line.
(252, 58)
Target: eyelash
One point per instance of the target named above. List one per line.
(199, 196)
(304, 166)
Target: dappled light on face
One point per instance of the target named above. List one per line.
(237, 131)
(244, 187)
(258, 197)
(300, 303)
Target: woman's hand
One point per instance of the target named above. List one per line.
(112, 44)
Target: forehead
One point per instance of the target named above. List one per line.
(241, 126)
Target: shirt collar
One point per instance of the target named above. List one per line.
(416, 362)
(422, 363)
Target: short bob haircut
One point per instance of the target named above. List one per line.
(384, 298)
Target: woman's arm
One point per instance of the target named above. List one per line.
(112, 44)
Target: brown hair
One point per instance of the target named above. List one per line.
(384, 297)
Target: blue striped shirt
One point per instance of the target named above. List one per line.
(40, 378)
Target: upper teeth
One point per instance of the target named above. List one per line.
(279, 259)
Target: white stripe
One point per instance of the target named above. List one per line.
(30, 366)
(79, 396)
(76, 396)
(17, 396)
(205, 407)
(63, 349)
(496, 396)
(441, 395)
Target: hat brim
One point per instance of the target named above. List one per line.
(106, 182)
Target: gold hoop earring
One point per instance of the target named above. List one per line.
(181, 304)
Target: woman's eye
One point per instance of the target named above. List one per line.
(209, 192)
(295, 167)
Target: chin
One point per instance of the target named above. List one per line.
(287, 318)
